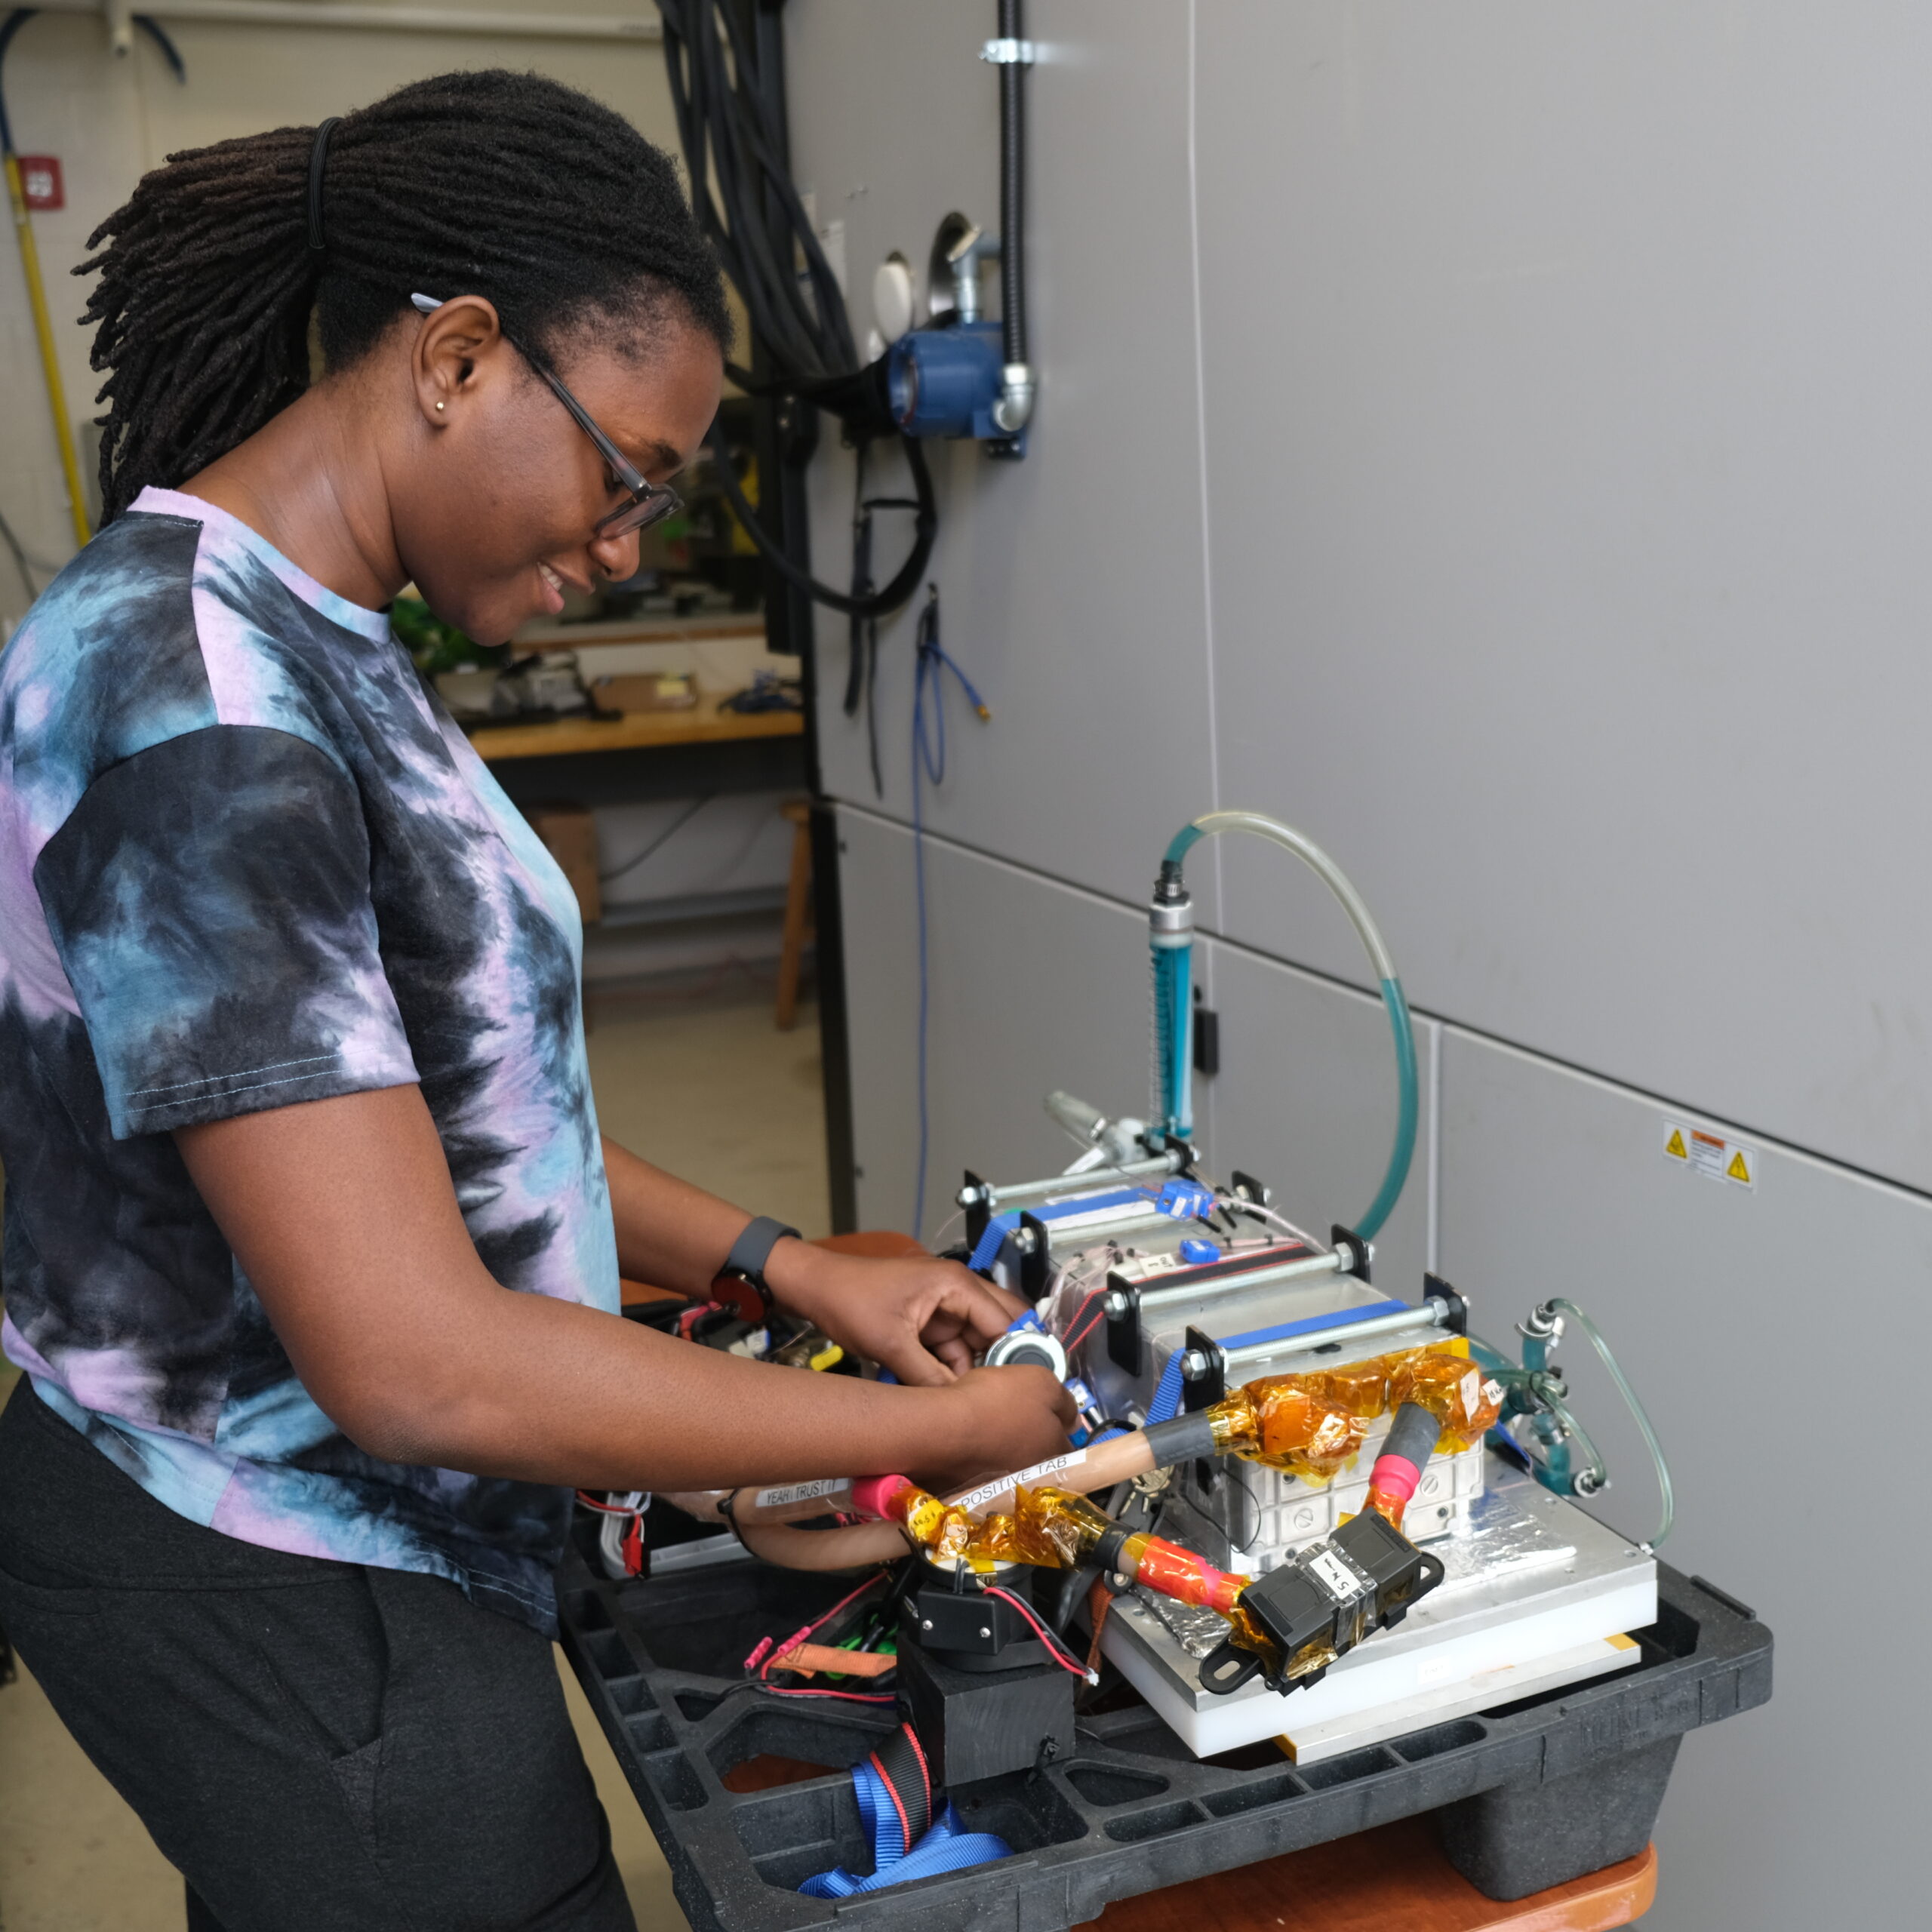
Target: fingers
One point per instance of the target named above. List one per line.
(987, 1311)
(952, 1350)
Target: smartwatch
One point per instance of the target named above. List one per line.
(740, 1282)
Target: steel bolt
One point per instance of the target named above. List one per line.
(1194, 1364)
(1116, 1302)
(984, 1631)
(926, 1624)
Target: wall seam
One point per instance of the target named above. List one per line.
(1690, 1110)
(1201, 433)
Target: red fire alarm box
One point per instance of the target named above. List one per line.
(40, 182)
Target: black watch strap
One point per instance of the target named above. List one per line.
(752, 1251)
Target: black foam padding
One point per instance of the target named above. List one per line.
(1412, 1435)
(1181, 1439)
(1522, 1838)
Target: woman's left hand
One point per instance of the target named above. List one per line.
(922, 1318)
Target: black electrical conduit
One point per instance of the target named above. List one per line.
(727, 134)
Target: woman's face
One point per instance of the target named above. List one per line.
(496, 508)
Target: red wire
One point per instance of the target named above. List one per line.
(589, 1501)
(764, 1668)
(1055, 1650)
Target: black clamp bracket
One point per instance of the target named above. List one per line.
(1208, 1382)
(1434, 1288)
(1121, 1305)
(1356, 1254)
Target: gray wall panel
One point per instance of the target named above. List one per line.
(1758, 1327)
(1566, 408)
(1034, 986)
(1072, 583)
(1306, 1102)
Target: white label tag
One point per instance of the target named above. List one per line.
(1711, 1155)
(798, 1492)
(978, 1498)
(1334, 1575)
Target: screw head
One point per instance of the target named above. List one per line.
(926, 1623)
(985, 1631)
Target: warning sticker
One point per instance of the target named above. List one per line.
(1710, 1155)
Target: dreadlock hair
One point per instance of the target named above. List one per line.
(493, 184)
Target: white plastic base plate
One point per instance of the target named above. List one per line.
(1532, 1581)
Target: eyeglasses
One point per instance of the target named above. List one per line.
(650, 502)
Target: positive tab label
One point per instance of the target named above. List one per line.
(1711, 1154)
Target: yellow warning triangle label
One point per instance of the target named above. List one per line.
(1675, 1146)
(1737, 1170)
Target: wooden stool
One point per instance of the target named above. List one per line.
(1394, 1878)
(797, 912)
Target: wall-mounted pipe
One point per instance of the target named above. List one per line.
(1013, 53)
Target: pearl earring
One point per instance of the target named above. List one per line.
(439, 405)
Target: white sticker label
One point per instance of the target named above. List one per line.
(1435, 1670)
(1334, 1575)
(978, 1498)
(1711, 1155)
(798, 1492)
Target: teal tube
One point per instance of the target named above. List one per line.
(1173, 1024)
(1175, 1033)
(1407, 1109)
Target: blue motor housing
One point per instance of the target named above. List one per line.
(945, 382)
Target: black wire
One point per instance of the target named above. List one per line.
(664, 838)
(926, 528)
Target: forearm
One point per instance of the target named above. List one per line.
(669, 1233)
(546, 1391)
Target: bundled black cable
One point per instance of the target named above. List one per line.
(759, 226)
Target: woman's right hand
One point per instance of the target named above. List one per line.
(997, 1420)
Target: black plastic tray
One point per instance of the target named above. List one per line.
(1531, 1795)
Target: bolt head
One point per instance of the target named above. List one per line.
(926, 1623)
(985, 1631)
(1115, 1303)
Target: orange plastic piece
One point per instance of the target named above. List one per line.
(1053, 1528)
(1454, 1389)
(941, 1531)
(1283, 1421)
(809, 1657)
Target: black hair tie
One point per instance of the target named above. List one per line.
(317, 155)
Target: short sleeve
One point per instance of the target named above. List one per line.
(209, 898)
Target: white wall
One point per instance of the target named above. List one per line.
(110, 120)
(1494, 437)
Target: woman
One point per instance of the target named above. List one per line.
(311, 1248)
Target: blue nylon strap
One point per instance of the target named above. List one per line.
(948, 1847)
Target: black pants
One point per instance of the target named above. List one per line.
(317, 1747)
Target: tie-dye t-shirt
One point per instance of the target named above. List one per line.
(247, 859)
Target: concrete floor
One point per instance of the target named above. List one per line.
(705, 1087)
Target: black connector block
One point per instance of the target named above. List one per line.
(1362, 1578)
(975, 1724)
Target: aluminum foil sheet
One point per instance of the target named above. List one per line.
(1499, 1541)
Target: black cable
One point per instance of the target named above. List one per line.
(662, 839)
(754, 219)
(925, 528)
